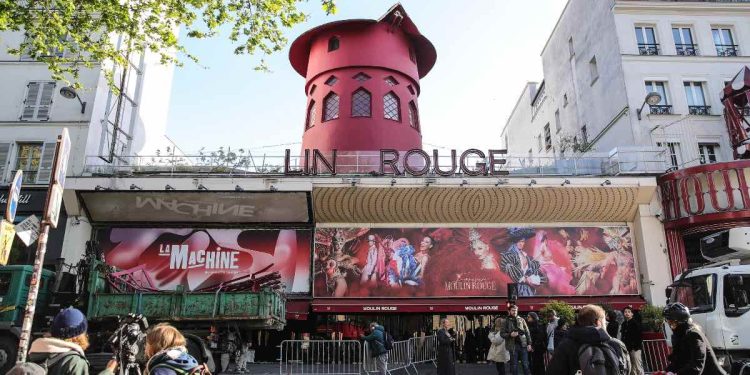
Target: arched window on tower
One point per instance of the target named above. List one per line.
(361, 103)
(331, 107)
(413, 115)
(391, 107)
(333, 43)
(310, 115)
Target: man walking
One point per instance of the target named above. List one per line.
(376, 342)
(633, 339)
(589, 349)
(517, 340)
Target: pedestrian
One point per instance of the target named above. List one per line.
(167, 354)
(63, 352)
(613, 326)
(538, 343)
(632, 336)
(517, 341)
(691, 350)
(498, 353)
(561, 331)
(586, 342)
(552, 321)
(446, 364)
(376, 342)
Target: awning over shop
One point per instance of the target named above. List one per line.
(297, 310)
(460, 305)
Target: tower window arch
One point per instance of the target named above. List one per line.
(331, 107)
(312, 89)
(361, 77)
(333, 43)
(310, 115)
(391, 107)
(361, 103)
(331, 80)
(390, 81)
(413, 115)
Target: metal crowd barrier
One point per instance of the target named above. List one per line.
(339, 357)
(423, 350)
(655, 354)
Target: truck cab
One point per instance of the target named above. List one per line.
(717, 294)
(14, 290)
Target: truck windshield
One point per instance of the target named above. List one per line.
(697, 293)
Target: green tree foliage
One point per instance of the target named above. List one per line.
(89, 31)
(652, 318)
(562, 308)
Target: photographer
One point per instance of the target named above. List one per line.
(517, 340)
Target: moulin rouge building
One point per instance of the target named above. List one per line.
(397, 233)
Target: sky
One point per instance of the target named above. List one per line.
(486, 52)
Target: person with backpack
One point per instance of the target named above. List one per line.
(589, 349)
(63, 352)
(517, 341)
(167, 354)
(691, 351)
(632, 335)
(380, 344)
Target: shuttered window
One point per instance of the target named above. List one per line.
(45, 167)
(35, 160)
(36, 106)
(4, 152)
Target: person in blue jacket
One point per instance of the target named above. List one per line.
(376, 342)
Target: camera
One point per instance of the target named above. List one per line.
(127, 343)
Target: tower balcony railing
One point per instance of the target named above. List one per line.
(700, 110)
(686, 49)
(623, 162)
(727, 50)
(648, 49)
(661, 110)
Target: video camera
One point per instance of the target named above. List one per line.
(127, 343)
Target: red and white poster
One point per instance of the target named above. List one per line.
(474, 262)
(199, 258)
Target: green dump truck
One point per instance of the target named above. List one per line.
(103, 301)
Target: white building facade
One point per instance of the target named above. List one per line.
(604, 57)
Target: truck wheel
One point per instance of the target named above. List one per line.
(8, 353)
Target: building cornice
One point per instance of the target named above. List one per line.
(658, 7)
(685, 59)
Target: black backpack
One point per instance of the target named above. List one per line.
(601, 359)
(387, 341)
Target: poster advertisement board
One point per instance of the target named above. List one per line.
(197, 258)
(473, 262)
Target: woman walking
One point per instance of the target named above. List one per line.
(497, 352)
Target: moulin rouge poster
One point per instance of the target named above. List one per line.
(196, 258)
(469, 262)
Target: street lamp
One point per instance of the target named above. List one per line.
(69, 92)
(652, 98)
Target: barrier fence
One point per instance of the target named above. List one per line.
(655, 354)
(423, 350)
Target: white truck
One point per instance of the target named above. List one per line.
(717, 295)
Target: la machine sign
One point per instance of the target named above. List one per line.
(414, 162)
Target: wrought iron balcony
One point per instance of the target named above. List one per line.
(700, 110)
(648, 49)
(686, 49)
(661, 109)
(727, 50)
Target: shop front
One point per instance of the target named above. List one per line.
(31, 203)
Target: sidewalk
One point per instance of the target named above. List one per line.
(424, 369)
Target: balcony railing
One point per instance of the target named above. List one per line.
(648, 49)
(727, 50)
(686, 49)
(700, 110)
(661, 109)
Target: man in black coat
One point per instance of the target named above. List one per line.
(588, 330)
(445, 355)
(631, 334)
(691, 351)
(538, 343)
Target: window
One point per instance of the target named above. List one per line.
(413, 115)
(594, 70)
(38, 101)
(731, 306)
(361, 103)
(390, 81)
(683, 41)
(53, 52)
(565, 100)
(584, 135)
(674, 158)
(539, 144)
(707, 152)
(333, 43)
(698, 293)
(696, 99)
(547, 137)
(646, 39)
(411, 89)
(663, 107)
(331, 80)
(724, 42)
(391, 107)
(312, 89)
(558, 125)
(311, 115)
(28, 159)
(330, 107)
(571, 50)
(361, 77)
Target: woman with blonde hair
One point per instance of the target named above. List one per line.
(497, 352)
(167, 353)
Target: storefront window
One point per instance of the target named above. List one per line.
(29, 156)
